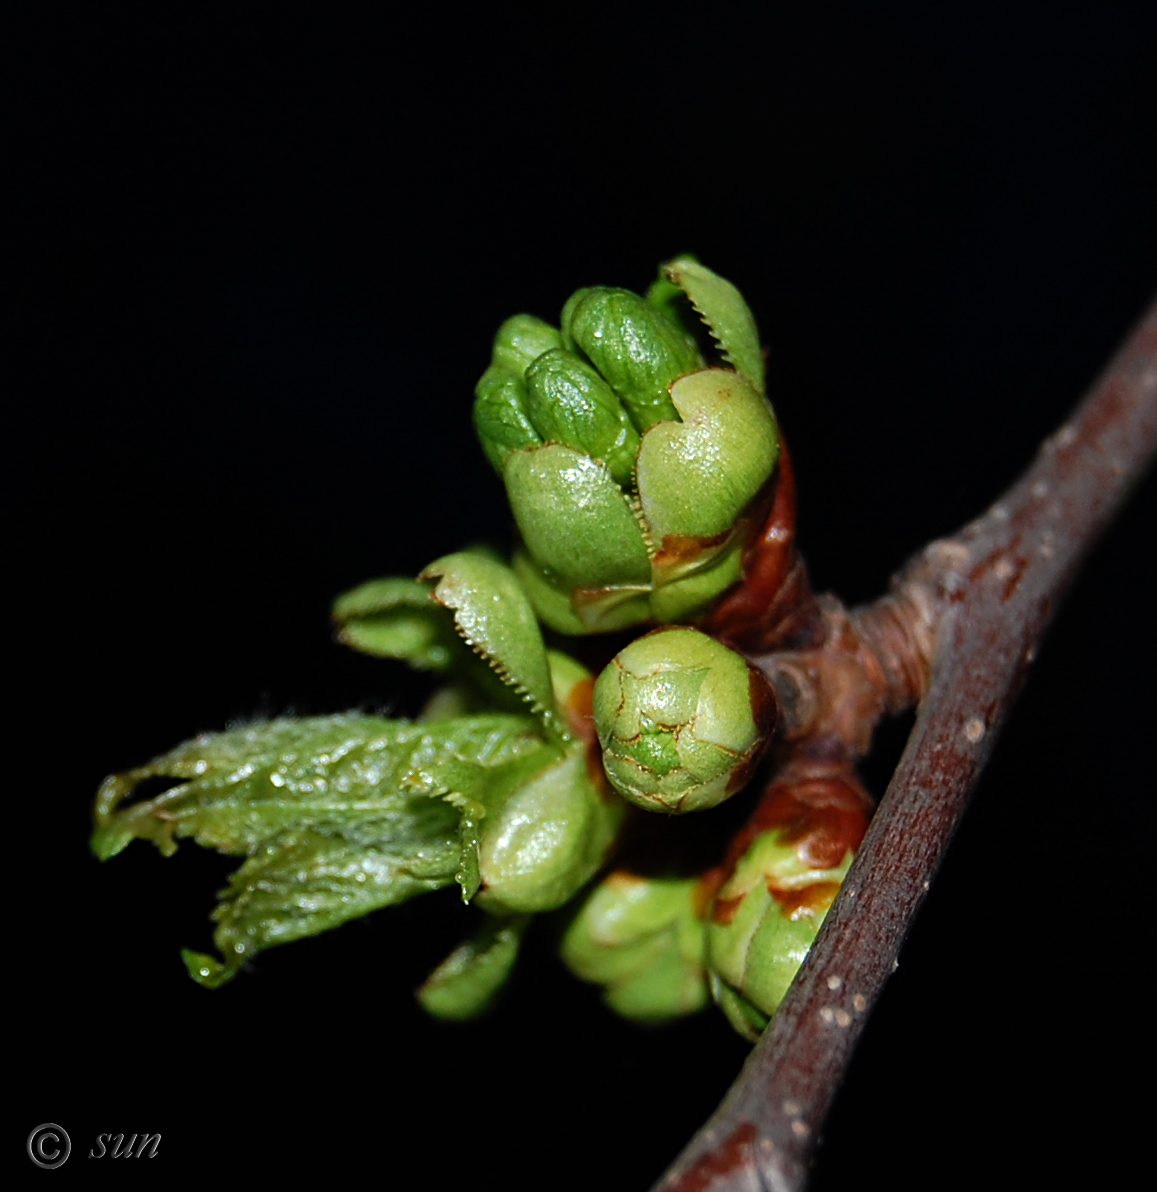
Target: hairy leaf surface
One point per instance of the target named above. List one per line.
(339, 815)
(329, 773)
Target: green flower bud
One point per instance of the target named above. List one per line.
(633, 472)
(500, 406)
(682, 720)
(764, 920)
(568, 402)
(521, 340)
(769, 909)
(543, 835)
(500, 418)
(643, 939)
(635, 346)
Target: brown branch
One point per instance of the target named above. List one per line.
(981, 599)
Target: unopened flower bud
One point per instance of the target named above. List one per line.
(766, 914)
(642, 939)
(682, 720)
(500, 407)
(633, 472)
(635, 346)
(521, 340)
(568, 402)
(500, 418)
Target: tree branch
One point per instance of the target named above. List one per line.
(984, 597)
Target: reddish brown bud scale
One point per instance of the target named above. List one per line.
(580, 719)
(773, 605)
(821, 804)
(677, 548)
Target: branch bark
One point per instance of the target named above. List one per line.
(984, 597)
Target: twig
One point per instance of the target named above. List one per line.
(985, 596)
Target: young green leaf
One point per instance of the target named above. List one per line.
(340, 815)
(241, 787)
(396, 618)
(466, 983)
(304, 882)
(727, 315)
(494, 617)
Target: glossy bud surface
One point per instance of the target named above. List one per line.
(682, 720)
(635, 472)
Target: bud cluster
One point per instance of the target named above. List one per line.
(631, 467)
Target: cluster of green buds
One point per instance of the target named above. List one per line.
(632, 468)
(643, 939)
(637, 454)
(663, 947)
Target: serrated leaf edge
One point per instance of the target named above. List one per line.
(550, 719)
(669, 271)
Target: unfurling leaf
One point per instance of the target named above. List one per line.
(304, 882)
(494, 617)
(339, 815)
(400, 618)
(240, 787)
(727, 315)
(395, 617)
(466, 983)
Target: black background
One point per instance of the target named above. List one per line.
(259, 265)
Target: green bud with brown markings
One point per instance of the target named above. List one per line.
(682, 720)
(770, 906)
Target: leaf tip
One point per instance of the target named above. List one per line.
(108, 840)
(205, 970)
